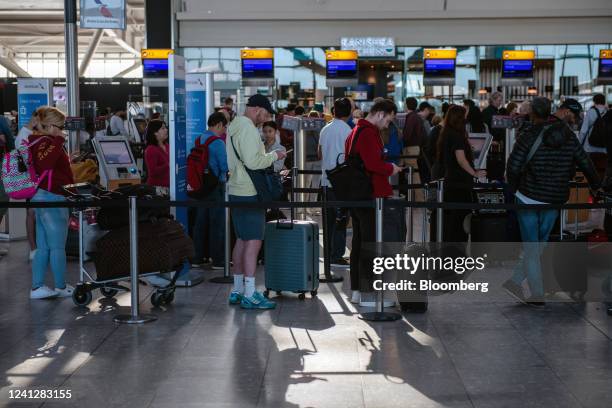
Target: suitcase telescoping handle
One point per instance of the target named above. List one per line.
(284, 225)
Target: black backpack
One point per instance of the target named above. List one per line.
(349, 180)
(601, 129)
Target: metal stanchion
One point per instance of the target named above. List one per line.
(562, 215)
(81, 249)
(226, 278)
(440, 213)
(327, 239)
(135, 317)
(410, 198)
(379, 315)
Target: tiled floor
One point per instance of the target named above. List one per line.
(313, 353)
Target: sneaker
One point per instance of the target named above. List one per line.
(341, 262)
(66, 292)
(157, 281)
(44, 292)
(514, 290)
(386, 303)
(217, 267)
(257, 301)
(356, 297)
(235, 298)
(198, 263)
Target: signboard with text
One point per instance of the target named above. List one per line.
(370, 46)
(196, 107)
(32, 93)
(103, 14)
(178, 134)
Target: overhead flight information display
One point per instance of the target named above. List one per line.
(257, 64)
(518, 67)
(342, 67)
(605, 67)
(155, 65)
(439, 66)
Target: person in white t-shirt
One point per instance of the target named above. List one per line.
(331, 152)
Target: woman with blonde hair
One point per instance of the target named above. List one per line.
(50, 161)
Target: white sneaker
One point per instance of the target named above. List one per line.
(32, 255)
(386, 303)
(44, 292)
(157, 281)
(66, 292)
(356, 297)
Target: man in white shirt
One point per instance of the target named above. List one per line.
(117, 128)
(330, 152)
(598, 154)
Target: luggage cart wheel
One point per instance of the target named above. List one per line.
(302, 296)
(81, 297)
(313, 293)
(157, 299)
(266, 293)
(108, 292)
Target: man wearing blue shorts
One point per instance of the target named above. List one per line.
(245, 148)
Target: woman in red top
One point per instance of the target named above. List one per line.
(369, 146)
(51, 162)
(157, 155)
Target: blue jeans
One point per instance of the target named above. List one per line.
(536, 226)
(211, 220)
(51, 233)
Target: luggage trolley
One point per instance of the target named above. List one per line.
(109, 288)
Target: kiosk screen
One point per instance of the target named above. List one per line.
(155, 68)
(439, 68)
(116, 152)
(605, 68)
(257, 68)
(517, 69)
(341, 69)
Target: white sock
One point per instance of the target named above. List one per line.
(249, 286)
(238, 283)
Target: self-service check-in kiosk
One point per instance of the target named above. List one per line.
(116, 162)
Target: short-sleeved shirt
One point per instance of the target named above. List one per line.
(453, 171)
(332, 140)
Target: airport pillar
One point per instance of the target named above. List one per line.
(72, 68)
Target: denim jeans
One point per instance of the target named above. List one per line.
(51, 233)
(211, 222)
(536, 226)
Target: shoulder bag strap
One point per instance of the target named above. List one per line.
(353, 143)
(236, 151)
(534, 147)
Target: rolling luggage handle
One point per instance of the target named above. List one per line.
(294, 173)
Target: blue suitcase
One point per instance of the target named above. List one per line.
(292, 257)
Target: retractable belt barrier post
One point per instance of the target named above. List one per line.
(81, 249)
(410, 198)
(227, 243)
(440, 212)
(135, 317)
(379, 315)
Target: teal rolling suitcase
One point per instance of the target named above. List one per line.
(292, 257)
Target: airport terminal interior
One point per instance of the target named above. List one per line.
(178, 228)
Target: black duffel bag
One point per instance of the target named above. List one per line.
(349, 180)
(110, 218)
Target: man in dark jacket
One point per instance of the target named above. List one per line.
(543, 179)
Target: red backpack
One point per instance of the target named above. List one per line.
(201, 181)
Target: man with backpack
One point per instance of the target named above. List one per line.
(593, 133)
(210, 155)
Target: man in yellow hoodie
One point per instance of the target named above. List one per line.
(245, 148)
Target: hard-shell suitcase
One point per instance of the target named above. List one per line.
(292, 261)
(163, 246)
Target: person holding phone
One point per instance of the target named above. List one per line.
(272, 143)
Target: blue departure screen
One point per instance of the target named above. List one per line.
(155, 68)
(605, 68)
(257, 68)
(341, 69)
(439, 68)
(517, 69)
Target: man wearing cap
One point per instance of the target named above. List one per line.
(245, 148)
(569, 112)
